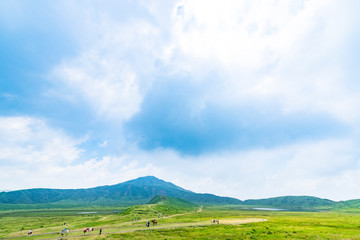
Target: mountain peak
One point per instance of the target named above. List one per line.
(152, 181)
(152, 178)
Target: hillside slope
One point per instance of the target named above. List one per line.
(166, 204)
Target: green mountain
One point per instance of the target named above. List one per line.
(292, 202)
(137, 191)
(153, 191)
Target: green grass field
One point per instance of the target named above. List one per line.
(190, 223)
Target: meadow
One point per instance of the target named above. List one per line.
(192, 222)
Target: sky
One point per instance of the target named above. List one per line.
(246, 99)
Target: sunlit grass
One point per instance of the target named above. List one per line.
(279, 225)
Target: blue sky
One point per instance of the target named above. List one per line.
(240, 98)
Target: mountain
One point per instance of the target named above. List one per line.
(137, 191)
(145, 189)
(292, 202)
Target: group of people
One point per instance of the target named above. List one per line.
(154, 222)
(134, 219)
(163, 215)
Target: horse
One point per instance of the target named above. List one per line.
(154, 222)
(86, 230)
(215, 221)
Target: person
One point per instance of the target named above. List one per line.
(64, 230)
(100, 231)
(30, 232)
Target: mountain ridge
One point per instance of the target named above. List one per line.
(141, 190)
(136, 191)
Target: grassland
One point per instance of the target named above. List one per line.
(189, 223)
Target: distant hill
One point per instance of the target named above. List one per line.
(349, 205)
(137, 191)
(355, 203)
(292, 202)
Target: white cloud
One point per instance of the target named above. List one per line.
(324, 168)
(113, 68)
(285, 53)
(243, 35)
(34, 155)
(28, 141)
(29, 148)
(96, 172)
(108, 85)
(104, 143)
